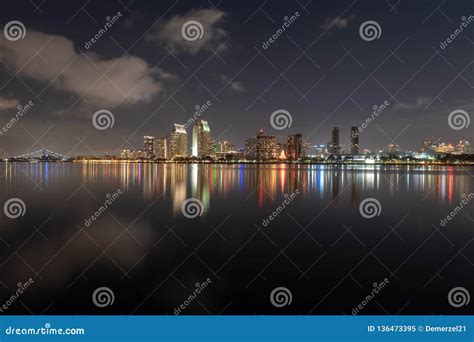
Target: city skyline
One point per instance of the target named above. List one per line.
(244, 68)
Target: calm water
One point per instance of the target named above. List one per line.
(320, 247)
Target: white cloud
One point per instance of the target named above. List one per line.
(53, 59)
(170, 33)
(337, 22)
(8, 103)
(237, 86)
(419, 103)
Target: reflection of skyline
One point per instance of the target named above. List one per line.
(178, 182)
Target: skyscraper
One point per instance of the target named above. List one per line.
(295, 147)
(266, 146)
(201, 139)
(179, 142)
(251, 148)
(335, 147)
(354, 140)
(149, 143)
(161, 148)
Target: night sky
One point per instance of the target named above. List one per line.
(320, 70)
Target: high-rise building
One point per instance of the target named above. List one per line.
(251, 148)
(335, 147)
(266, 146)
(126, 154)
(201, 139)
(294, 147)
(354, 140)
(179, 142)
(161, 148)
(464, 147)
(149, 143)
(225, 146)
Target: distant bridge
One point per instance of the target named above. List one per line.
(42, 154)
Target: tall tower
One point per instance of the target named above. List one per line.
(266, 146)
(295, 147)
(354, 140)
(201, 139)
(161, 148)
(179, 141)
(149, 144)
(335, 147)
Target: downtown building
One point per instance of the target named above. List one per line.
(202, 140)
(178, 142)
(294, 147)
(354, 140)
(250, 150)
(266, 146)
(335, 147)
(149, 144)
(162, 148)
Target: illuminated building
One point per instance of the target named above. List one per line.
(266, 146)
(251, 148)
(201, 139)
(464, 147)
(225, 146)
(149, 143)
(354, 140)
(295, 147)
(161, 148)
(335, 147)
(393, 149)
(429, 145)
(126, 154)
(179, 142)
(444, 148)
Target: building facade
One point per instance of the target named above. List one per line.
(179, 142)
(161, 148)
(294, 147)
(266, 146)
(251, 149)
(149, 146)
(354, 140)
(201, 139)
